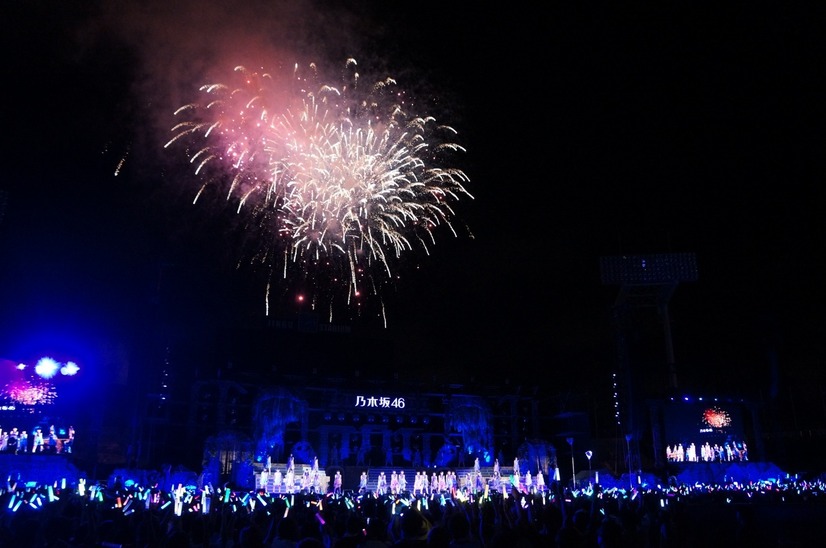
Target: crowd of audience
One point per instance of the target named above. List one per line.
(785, 512)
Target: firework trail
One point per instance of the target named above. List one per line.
(335, 183)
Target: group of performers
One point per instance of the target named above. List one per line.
(730, 451)
(443, 482)
(20, 442)
(448, 482)
(309, 481)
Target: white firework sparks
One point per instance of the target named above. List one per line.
(337, 184)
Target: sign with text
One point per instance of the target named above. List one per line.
(380, 402)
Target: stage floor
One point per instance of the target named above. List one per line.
(724, 472)
(43, 469)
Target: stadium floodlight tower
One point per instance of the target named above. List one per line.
(650, 280)
(644, 281)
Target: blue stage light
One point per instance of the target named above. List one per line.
(69, 369)
(46, 367)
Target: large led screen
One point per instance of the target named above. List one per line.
(705, 430)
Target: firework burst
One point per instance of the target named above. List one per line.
(30, 393)
(716, 417)
(335, 183)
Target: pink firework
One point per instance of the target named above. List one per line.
(25, 392)
(336, 182)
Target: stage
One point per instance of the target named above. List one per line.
(723, 472)
(43, 469)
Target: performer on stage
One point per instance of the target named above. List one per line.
(11, 443)
(418, 484)
(496, 482)
(381, 487)
(729, 452)
(402, 482)
(51, 443)
(23, 442)
(306, 481)
(277, 479)
(70, 441)
(337, 483)
(691, 453)
(394, 483)
(363, 483)
(37, 441)
(289, 480)
(540, 481)
(316, 482)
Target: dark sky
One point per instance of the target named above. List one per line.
(589, 132)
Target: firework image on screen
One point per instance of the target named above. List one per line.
(705, 431)
(31, 388)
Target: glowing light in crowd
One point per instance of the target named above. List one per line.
(336, 182)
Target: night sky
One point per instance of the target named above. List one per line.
(589, 132)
